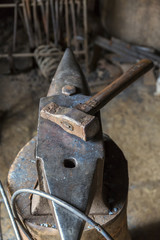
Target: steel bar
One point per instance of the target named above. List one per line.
(96, 102)
(122, 48)
(35, 24)
(108, 45)
(47, 21)
(78, 9)
(63, 204)
(20, 12)
(38, 35)
(8, 5)
(15, 25)
(72, 4)
(61, 22)
(128, 50)
(9, 210)
(85, 33)
(67, 23)
(61, 8)
(43, 16)
(28, 10)
(57, 18)
(12, 5)
(53, 22)
(29, 31)
(24, 55)
(1, 236)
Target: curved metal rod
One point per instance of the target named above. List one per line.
(10, 213)
(1, 236)
(60, 202)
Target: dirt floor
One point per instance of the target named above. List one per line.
(131, 120)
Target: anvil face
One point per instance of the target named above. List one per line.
(68, 166)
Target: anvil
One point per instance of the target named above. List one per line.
(70, 151)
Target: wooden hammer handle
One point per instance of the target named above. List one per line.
(95, 103)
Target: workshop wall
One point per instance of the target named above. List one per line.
(133, 21)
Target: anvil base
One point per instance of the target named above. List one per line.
(109, 212)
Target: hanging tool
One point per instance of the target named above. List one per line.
(27, 18)
(54, 23)
(15, 25)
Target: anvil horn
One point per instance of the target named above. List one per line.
(68, 73)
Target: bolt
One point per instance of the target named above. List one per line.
(68, 90)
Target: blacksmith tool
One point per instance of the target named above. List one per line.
(15, 25)
(74, 162)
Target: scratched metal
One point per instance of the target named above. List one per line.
(57, 152)
(23, 174)
(66, 164)
(76, 185)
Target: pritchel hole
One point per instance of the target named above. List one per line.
(69, 163)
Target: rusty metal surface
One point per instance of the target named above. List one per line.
(69, 167)
(67, 164)
(84, 125)
(71, 120)
(73, 77)
(125, 114)
(23, 174)
(69, 80)
(69, 172)
(72, 161)
(68, 72)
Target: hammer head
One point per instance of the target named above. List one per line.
(72, 120)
